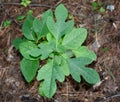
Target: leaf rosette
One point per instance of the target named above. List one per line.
(56, 41)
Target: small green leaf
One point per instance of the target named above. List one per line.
(100, 4)
(25, 49)
(102, 10)
(75, 38)
(49, 37)
(6, 23)
(25, 3)
(105, 49)
(94, 5)
(70, 16)
(29, 68)
(48, 86)
(77, 69)
(20, 17)
(30, 12)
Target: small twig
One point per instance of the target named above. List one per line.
(59, 2)
(31, 5)
(10, 56)
(113, 96)
(109, 98)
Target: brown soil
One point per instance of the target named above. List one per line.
(103, 38)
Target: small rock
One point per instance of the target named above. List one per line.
(110, 7)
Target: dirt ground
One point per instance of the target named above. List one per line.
(103, 38)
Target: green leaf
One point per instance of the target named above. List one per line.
(100, 4)
(40, 26)
(27, 27)
(46, 90)
(30, 12)
(48, 86)
(84, 52)
(77, 69)
(49, 37)
(60, 49)
(64, 27)
(17, 42)
(64, 66)
(94, 5)
(60, 27)
(36, 52)
(75, 38)
(51, 26)
(61, 13)
(25, 3)
(46, 49)
(7, 23)
(29, 68)
(20, 17)
(25, 49)
(102, 10)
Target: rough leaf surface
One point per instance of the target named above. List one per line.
(29, 68)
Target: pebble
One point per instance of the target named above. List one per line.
(110, 7)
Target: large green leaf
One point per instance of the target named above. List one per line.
(75, 38)
(40, 26)
(77, 69)
(27, 27)
(60, 27)
(84, 52)
(49, 73)
(25, 49)
(29, 68)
